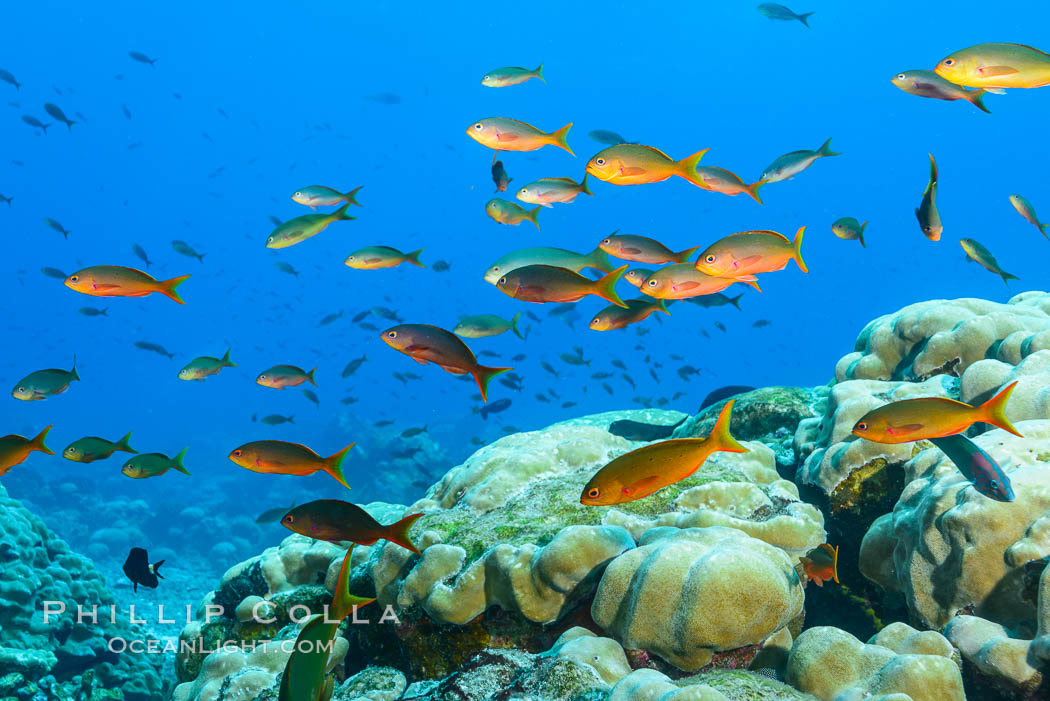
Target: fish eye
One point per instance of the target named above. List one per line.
(900, 76)
(289, 519)
(298, 194)
(949, 61)
(709, 259)
(599, 161)
(861, 426)
(606, 240)
(478, 125)
(495, 268)
(237, 452)
(502, 280)
(73, 278)
(652, 283)
(392, 334)
(350, 258)
(593, 492)
(21, 389)
(71, 450)
(995, 484)
(524, 190)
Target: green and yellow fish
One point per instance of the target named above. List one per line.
(283, 458)
(614, 317)
(849, 229)
(642, 249)
(547, 191)
(558, 257)
(546, 283)
(376, 257)
(751, 253)
(42, 384)
(997, 66)
(983, 257)
(727, 183)
(639, 473)
(118, 281)
(316, 196)
(149, 465)
(511, 75)
(92, 448)
(14, 449)
(206, 366)
(511, 213)
(306, 226)
(635, 164)
(502, 134)
(281, 376)
(1026, 210)
(927, 214)
(791, 164)
(929, 84)
(485, 325)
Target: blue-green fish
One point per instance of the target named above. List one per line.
(977, 466)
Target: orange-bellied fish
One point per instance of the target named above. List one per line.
(40, 385)
(315, 196)
(614, 317)
(303, 227)
(821, 564)
(728, 183)
(485, 325)
(148, 465)
(547, 283)
(791, 164)
(929, 84)
(425, 343)
(558, 257)
(641, 249)
(15, 449)
(511, 75)
(997, 66)
(547, 191)
(281, 376)
(511, 213)
(641, 472)
(334, 520)
(927, 214)
(206, 366)
(849, 229)
(983, 257)
(118, 281)
(92, 448)
(683, 280)
(1026, 210)
(502, 134)
(932, 417)
(283, 458)
(638, 276)
(635, 164)
(750, 253)
(376, 257)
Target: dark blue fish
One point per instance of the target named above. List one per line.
(723, 393)
(977, 466)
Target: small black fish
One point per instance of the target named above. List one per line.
(6, 199)
(276, 420)
(142, 58)
(353, 366)
(153, 348)
(761, 322)
(92, 311)
(383, 422)
(360, 315)
(441, 266)
(56, 112)
(53, 272)
(34, 122)
(330, 318)
(639, 431)
(415, 431)
(309, 394)
(723, 393)
(499, 176)
(141, 253)
(140, 571)
(494, 408)
(273, 515)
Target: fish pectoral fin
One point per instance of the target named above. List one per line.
(454, 371)
(903, 429)
(687, 285)
(505, 136)
(418, 360)
(644, 485)
(992, 71)
(103, 286)
(749, 260)
(632, 170)
(269, 463)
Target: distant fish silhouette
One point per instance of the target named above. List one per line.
(140, 571)
(724, 393)
(639, 431)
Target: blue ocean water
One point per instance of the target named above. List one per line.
(249, 102)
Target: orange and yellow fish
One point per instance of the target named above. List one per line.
(118, 281)
(502, 134)
(821, 564)
(750, 253)
(683, 280)
(997, 66)
(15, 449)
(283, 458)
(549, 283)
(634, 164)
(932, 417)
(641, 472)
(425, 343)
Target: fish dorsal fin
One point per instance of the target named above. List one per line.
(654, 150)
(769, 232)
(558, 180)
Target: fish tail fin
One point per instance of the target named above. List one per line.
(38, 442)
(310, 377)
(804, 16)
(177, 462)
(605, 287)
(600, 259)
(687, 168)
(341, 213)
(723, 440)
(533, 215)
(156, 568)
(753, 188)
(735, 301)
(1007, 277)
(976, 98)
(351, 196)
(483, 375)
(583, 186)
(994, 410)
(226, 362)
(343, 603)
(933, 174)
(860, 236)
(797, 247)
(124, 444)
(70, 124)
(1043, 228)
(168, 288)
(103, 312)
(539, 73)
(290, 419)
(660, 305)
(73, 370)
(825, 150)
(560, 138)
(333, 465)
(514, 325)
(44, 127)
(684, 256)
(834, 562)
(413, 258)
(398, 532)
